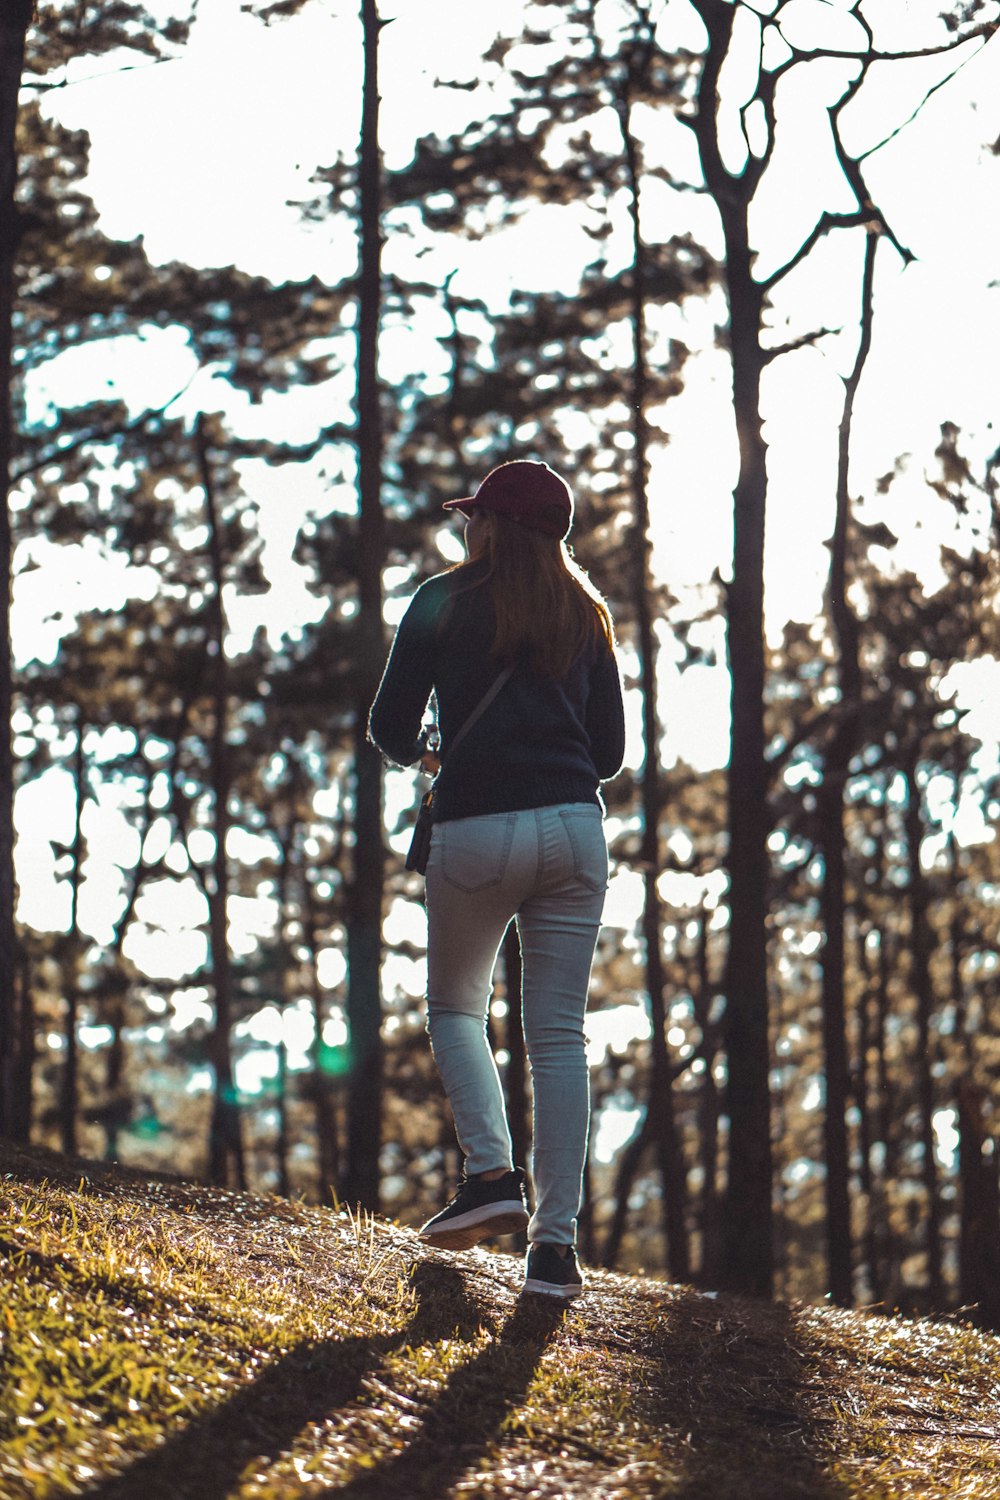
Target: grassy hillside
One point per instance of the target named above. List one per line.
(163, 1340)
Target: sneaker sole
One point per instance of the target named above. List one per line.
(470, 1231)
(550, 1289)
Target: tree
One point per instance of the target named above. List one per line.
(364, 922)
(14, 25)
(748, 1256)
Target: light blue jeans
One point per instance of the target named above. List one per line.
(548, 867)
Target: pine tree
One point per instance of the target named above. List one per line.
(748, 1262)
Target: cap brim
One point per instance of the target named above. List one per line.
(459, 505)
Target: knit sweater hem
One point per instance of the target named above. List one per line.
(487, 795)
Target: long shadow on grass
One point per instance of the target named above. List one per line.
(466, 1418)
(735, 1388)
(204, 1459)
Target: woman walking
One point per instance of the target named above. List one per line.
(517, 647)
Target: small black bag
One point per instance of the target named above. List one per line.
(420, 844)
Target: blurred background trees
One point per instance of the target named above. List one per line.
(793, 1011)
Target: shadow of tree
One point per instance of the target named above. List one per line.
(206, 1456)
(735, 1384)
(467, 1417)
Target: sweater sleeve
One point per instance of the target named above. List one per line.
(605, 723)
(396, 715)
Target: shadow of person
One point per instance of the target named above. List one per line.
(206, 1455)
(459, 1426)
(734, 1388)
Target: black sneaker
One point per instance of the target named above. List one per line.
(551, 1273)
(478, 1211)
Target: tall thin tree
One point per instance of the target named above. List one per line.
(364, 923)
(748, 1256)
(839, 751)
(669, 1148)
(747, 1231)
(15, 18)
(226, 1136)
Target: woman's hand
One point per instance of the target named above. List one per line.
(430, 763)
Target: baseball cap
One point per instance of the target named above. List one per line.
(524, 491)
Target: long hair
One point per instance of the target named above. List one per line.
(547, 610)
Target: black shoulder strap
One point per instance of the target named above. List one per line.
(480, 709)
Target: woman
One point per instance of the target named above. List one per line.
(518, 832)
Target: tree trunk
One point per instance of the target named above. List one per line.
(888, 1253)
(628, 1167)
(24, 1051)
(921, 947)
(323, 1081)
(14, 21)
(956, 952)
(516, 1073)
(747, 1252)
(516, 1078)
(747, 1230)
(364, 923)
(840, 751)
(669, 1146)
(68, 1102)
(979, 1247)
(226, 1159)
(284, 956)
(709, 1111)
(867, 1040)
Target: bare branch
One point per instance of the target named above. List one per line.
(97, 434)
(910, 119)
(985, 29)
(799, 343)
(860, 219)
(70, 83)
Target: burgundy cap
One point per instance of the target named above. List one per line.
(524, 491)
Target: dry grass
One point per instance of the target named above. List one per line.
(160, 1339)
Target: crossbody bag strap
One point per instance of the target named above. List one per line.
(479, 709)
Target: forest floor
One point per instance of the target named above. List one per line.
(161, 1339)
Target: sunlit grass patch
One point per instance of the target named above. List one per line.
(122, 1318)
(199, 1344)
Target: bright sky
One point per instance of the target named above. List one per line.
(220, 141)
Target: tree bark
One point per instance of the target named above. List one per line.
(282, 1145)
(709, 1111)
(323, 1081)
(921, 947)
(979, 1245)
(226, 1158)
(887, 1247)
(669, 1146)
(364, 923)
(69, 1092)
(747, 1233)
(863, 1098)
(14, 21)
(516, 1073)
(840, 751)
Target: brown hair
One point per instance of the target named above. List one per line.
(547, 610)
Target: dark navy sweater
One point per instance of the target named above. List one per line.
(539, 743)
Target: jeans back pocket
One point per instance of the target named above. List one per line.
(475, 851)
(585, 830)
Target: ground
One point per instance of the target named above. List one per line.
(161, 1339)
